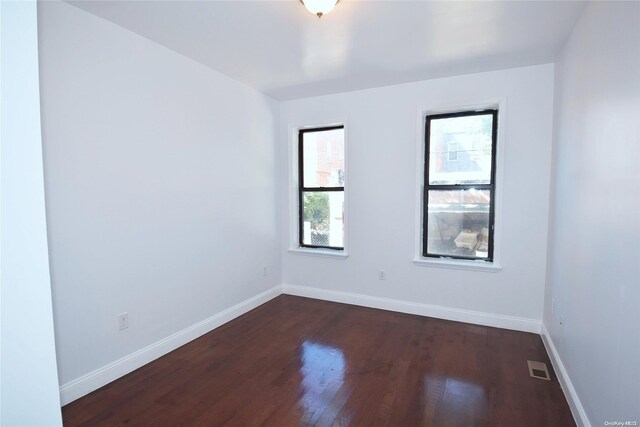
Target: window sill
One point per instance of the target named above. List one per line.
(322, 253)
(457, 264)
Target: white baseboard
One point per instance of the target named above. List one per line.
(100, 377)
(456, 314)
(94, 380)
(579, 414)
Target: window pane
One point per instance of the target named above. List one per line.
(323, 158)
(458, 223)
(460, 150)
(322, 218)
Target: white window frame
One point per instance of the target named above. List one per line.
(477, 265)
(293, 195)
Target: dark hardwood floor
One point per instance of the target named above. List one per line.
(296, 361)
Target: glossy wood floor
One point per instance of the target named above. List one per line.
(296, 362)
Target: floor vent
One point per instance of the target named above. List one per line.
(538, 370)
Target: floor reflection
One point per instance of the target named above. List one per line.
(454, 399)
(323, 370)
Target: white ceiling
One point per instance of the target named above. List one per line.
(282, 50)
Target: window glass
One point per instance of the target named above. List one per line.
(324, 158)
(459, 185)
(323, 219)
(321, 192)
(460, 150)
(459, 222)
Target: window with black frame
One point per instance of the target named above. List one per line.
(321, 168)
(459, 186)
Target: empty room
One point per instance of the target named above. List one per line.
(320, 213)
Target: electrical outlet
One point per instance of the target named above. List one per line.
(265, 270)
(381, 275)
(123, 321)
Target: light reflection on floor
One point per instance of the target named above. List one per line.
(454, 396)
(323, 370)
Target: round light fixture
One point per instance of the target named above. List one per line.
(319, 7)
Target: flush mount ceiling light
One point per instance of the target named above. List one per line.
(319, 7)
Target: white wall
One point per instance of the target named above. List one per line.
(162, 184)
(29, 387)
(383, 131)
(160, 188)
(594, 245)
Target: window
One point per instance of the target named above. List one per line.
(452, 153)
(321, 187)
(459, 185)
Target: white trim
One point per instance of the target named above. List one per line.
(579, 414)
(102, 376)
(92, 381)
(458, 264)
(292, 181)
(422, 112)
(323, 253)
(440, 312)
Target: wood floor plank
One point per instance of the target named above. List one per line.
(301, 362)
